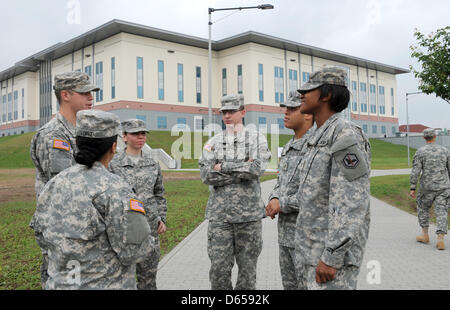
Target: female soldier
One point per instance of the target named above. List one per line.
(333, 221)
(145, 177)
(93, 226)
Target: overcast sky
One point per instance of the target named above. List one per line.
(377, 30)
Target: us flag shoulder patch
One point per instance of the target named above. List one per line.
(61, 144)
(137, 205)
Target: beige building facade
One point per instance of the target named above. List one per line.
(162, 78)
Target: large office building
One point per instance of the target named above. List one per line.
(162, 78)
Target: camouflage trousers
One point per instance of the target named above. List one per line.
(346, 279)
(289, 273)
(44, 265)
(228, 242)
(147, 269)
(441, 204)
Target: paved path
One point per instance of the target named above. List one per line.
(391, 249)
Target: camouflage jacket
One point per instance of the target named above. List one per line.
(235, 191)
(286, 188)
(432, 163)
(90, 218)
(334, 195)
(146, 180)
(52, 150)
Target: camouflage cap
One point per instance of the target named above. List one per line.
(134, 125)
(76, 81)
(293, 100)
(429, 133)
(97, 124)
(327, 75)
(232, 102)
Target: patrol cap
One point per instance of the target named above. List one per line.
(429, 133)
(327, 75)
(76, 81)
(232, 102)
(97, 124)
(293, 100)
(134, 125)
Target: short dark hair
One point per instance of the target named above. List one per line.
(340, 96)
(429, 138)
(91, 150)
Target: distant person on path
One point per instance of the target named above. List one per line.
(231, 163)
(283, 200)
(334, 194)
(53, 146)
(432, 163)
(93, 226)
(144, 175)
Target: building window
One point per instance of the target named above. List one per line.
(363, 97)
(381, 104)
(198, 123)
(354, 96)
(305, 77)
(88, 70)
(260, 82)
(365, 128)
(280, 123)
(180, 82)
(239, 79)
(224, 82)
(4, 109)
(9, 107)
(113, 77)
(160, 80)
(392, 101)
(198, 84)
(383, 129)
(372, 99)
(162, 122)
(140, 77)
(142, 118)
(374, 128)
(279, 85)
(99, 81)
(23, 103)
(262, 121)
(293, 85)
(394, 130)
(181, 122)
(16, 105)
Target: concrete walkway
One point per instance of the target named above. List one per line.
(393, 259)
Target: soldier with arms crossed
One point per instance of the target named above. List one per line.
(432, 163)
(283, 200)
(231, 163)
(333, 220)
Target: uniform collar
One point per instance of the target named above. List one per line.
(70, 128)
(319, 132)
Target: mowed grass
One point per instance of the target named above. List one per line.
(394, 190)
(390, 156)
(15, 151)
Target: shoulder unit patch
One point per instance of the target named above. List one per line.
(350, 160)
(137, 205)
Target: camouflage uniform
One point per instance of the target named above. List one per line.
(334, 216)
(53, 146)
(285, 191)
(432, 163)
(145, 178)
(93, 227)
(235, 207)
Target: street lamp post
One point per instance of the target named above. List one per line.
(407, 122)
(211, 10)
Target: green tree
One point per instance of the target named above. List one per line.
(433, 54)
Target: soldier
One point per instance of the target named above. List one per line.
(53, 146)
(283, 200)
(144, 175)
(432, 163)
(231, 163)
(333, 221)
(93, 227)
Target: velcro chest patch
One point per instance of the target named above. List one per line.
(61, 144)
(137, 205)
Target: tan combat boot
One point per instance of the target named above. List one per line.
(424, 238)
(440, 243)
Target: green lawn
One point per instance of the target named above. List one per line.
(15, 151)
(390, 156)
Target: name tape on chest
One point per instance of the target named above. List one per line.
(137, 205)
(61, 144)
